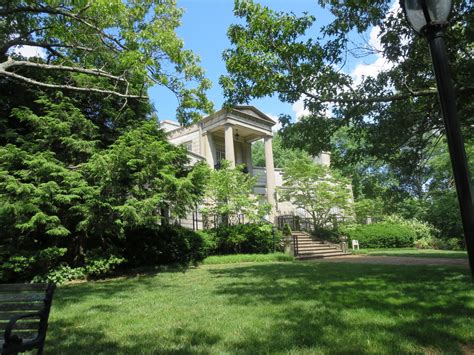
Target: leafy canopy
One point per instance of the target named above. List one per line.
(116, 47)
(230, 193)
(321, 192)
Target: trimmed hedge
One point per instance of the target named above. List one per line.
(381, 235)
(252, 238)
(168, 244)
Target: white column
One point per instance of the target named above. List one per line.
(248, 157)
(270, 172)
(209, 149)
(229, 144)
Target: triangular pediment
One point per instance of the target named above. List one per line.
(253, 111)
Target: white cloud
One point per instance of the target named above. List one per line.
(361, 70)
(274, 118)
(380, 63)
(364, 70)
(28, 51)
(299, 109)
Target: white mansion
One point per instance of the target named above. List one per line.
(229, 134)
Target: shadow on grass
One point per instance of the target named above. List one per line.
(312, 308)
(71, 340)
(355, 308)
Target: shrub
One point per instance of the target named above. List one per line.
(61, 274)
(426, 243)
(286, 230)
(328, 234)
(23, 267)
(422, 229)
(98, 264)
(167, 244)
(449, 244)
(381, 235)
(252, 238)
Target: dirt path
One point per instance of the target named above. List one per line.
(393, 260)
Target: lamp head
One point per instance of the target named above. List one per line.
(425, 14)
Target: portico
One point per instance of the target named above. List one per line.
(228, 134)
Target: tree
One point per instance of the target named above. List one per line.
(116, 47)
(272, 54)
(280, 154)
(61, 195)
(81, 157)
(321, 192)
(230, 193)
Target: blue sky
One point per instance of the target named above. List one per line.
(204, 27)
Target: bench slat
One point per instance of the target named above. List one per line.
(33, 326)
(26, 335)
(22, 287)
(22, 297)
(5, 316)
(32, 306)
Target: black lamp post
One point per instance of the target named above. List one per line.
(429, 18)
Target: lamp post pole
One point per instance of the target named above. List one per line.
(447, 99)
(430, 18)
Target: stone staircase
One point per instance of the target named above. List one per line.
(307, 247)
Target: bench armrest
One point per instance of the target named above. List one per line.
(12, 322)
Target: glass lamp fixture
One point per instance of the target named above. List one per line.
(422, 14)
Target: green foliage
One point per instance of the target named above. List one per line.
(380, 235)
(330, 234)
(281, 155)
(245, 239)
(450, 244)
(368, 208)
(99, 264)
(316, 189)
(62, 190)
(380, 130)
(23, 265)
(61, 274)
(168, 244)
(136, 177)
(423, 230)
(230, 193)
(247, 258)
(286, 230)
(425, 243)
(115, 47)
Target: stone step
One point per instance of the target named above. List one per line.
(317, 251)
(310, 242)
(320, 256)
(319, 246)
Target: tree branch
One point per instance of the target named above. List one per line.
(57, 11)
(46, 45)
(96, 72)
(68, 87)
(387, 98)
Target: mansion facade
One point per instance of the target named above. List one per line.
(229, 134)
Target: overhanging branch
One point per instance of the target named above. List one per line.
(68, 87)
(385, 98)
(95, 72)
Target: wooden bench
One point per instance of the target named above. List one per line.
(24, 312)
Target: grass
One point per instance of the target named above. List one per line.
(413, 252)
(245, 258)
(269, 308)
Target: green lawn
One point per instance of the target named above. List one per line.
(245, 258)
(412, 252)
(269, 308)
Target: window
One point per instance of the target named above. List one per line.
(220, 155)
(188, 145)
